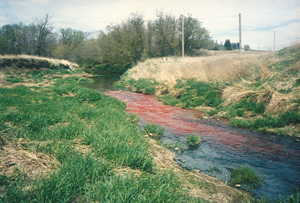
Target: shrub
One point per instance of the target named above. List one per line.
(193, 141)
(246, 177)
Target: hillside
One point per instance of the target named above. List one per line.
(257, 90)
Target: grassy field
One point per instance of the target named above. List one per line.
(256, 90)
(61, 142)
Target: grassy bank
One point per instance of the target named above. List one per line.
(28, 61)
(256, 91)
(61, 142)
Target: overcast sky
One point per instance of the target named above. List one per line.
(260, 18)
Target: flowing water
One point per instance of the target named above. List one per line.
(275, 158)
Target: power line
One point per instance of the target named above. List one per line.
(274, 41)
(240, 31)
(182, 36)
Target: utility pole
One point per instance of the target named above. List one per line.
(274, 41)
(240, 31)
(182, 36)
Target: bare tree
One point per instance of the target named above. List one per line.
(44, 31)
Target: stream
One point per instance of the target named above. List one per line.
(274, 158)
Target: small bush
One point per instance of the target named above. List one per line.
(246, 177)
(193, 141)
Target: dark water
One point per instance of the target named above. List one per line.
(103, 83)
(275, 158)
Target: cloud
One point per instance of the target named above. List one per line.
(259, 17)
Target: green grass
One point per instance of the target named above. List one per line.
(246, 177)
(192, 93)
(145, 86)
(293, 198)
(146, 188)
(289, 56)
(193, 141)
(156, 130)
(13, 79)
(246, 104)
(195, 93)
(268, 121)
(169, 100)
(66, 111)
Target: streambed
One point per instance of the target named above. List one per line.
(274, 158)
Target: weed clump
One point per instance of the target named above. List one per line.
(245, 177)
(193, 141)
(154, 131)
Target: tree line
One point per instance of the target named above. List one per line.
(122, 44)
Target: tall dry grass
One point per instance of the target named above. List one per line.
(36, 59)
(215, 68)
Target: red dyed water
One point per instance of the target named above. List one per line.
(183, 121)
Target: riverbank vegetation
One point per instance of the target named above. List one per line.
(245, 177)
(254, 90)
(61, 142)
(193, 141)
(154, 131)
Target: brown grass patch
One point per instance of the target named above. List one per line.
(127, 171)
(198, 184)
(2, 78)
(80, 147)
(281, 102)
(233, 94)
(27, 84)
(217, 68)
(13, 157)
(84, 75)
